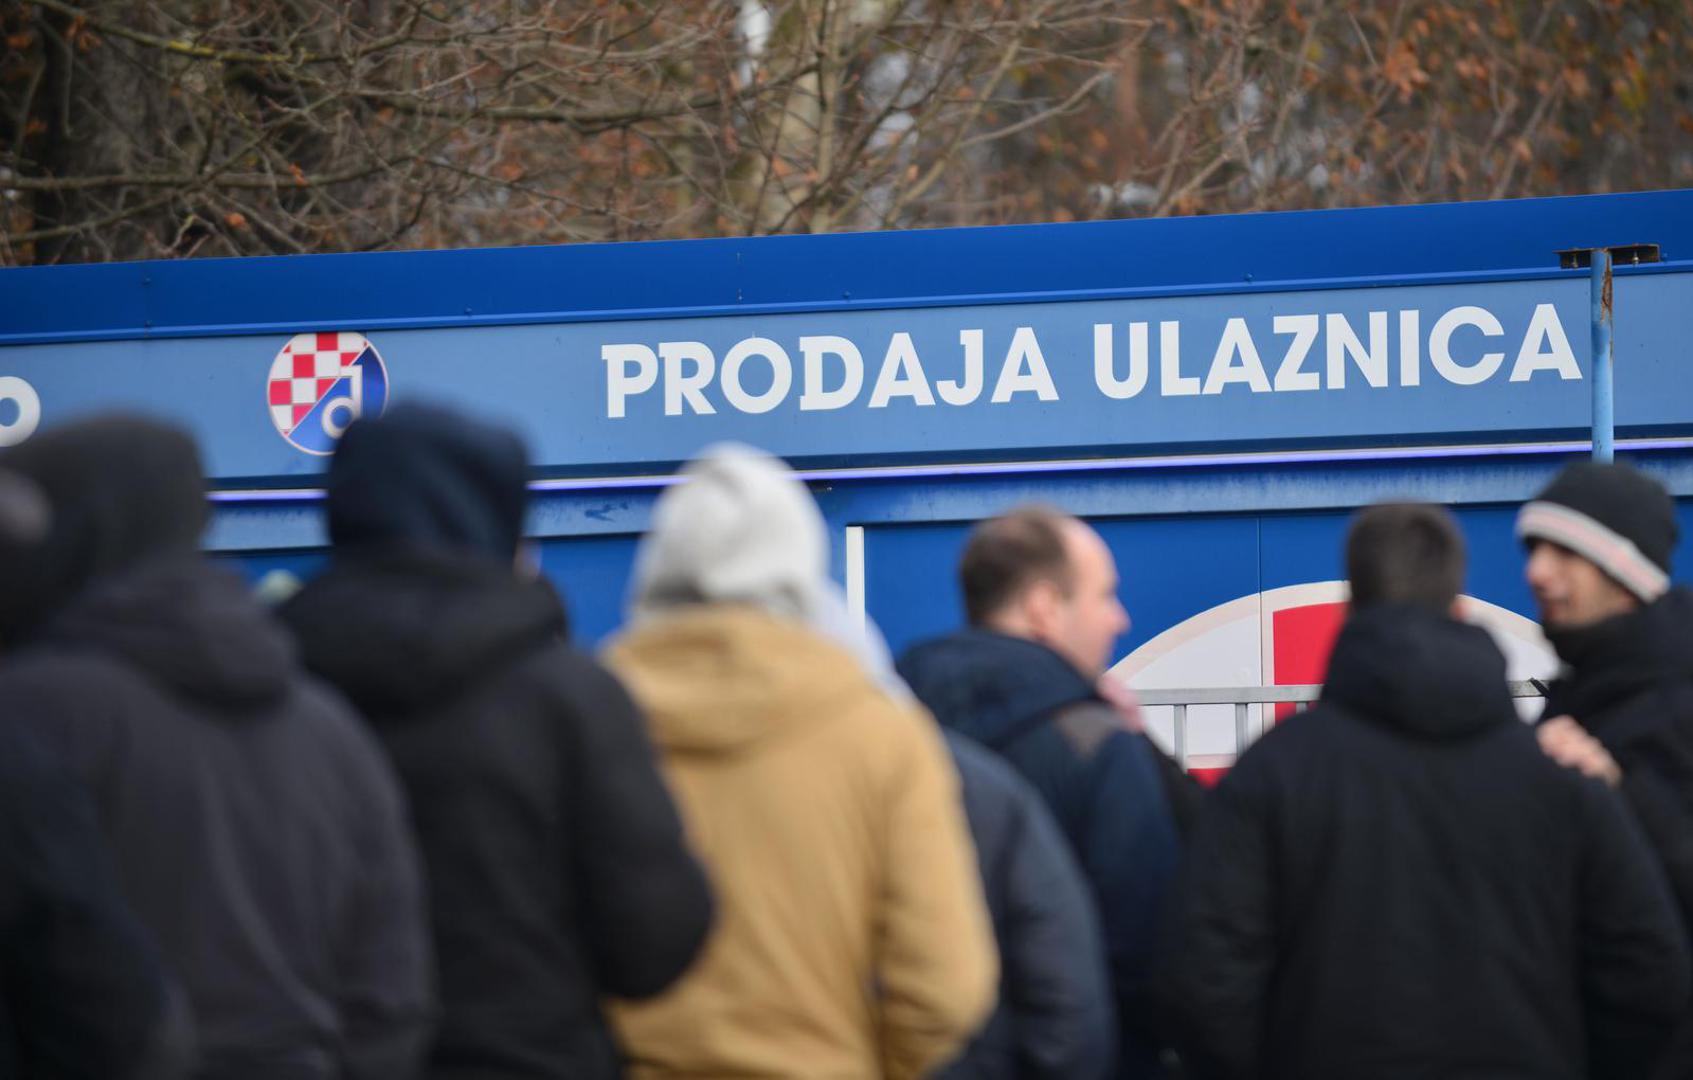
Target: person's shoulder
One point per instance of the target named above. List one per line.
(1090, 726)
(577, 686)
(986, 774)
(574, 670)
(1658, 717)
(1290, 747)
(70, 670)
(61, 685)
(882, 733)
(324, 721)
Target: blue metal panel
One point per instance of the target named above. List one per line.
(1506, 478)
(910, 581)
(592, 574)
(248, 526)
(1175, 568)
(939, 266)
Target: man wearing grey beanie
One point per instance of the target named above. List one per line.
(1599, 542)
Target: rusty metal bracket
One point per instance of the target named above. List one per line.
(1621, 255)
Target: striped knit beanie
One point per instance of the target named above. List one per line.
(1612, 515)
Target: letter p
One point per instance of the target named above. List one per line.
(620, 381)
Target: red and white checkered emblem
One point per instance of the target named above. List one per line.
(308, 371)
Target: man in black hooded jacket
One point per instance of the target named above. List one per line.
(1398, 883)
(556, 860)
(258, 831)
(82, 989)
(1599, 540)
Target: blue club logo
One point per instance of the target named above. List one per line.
(320, 383)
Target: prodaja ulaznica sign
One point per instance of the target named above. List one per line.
(1401, 365)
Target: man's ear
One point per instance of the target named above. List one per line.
(1041, 603)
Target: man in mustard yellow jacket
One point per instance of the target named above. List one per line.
(852, 939)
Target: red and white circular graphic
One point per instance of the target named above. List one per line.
(319, 383)
(1282, 637)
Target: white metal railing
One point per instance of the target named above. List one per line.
(1243, 697)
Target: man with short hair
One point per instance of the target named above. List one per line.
(1599, 541)
(1040, 591)
(1398, 883)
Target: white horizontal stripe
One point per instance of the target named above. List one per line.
(1607, 549)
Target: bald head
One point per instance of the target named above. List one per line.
(1040, 574)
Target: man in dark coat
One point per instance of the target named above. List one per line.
(258, 831)
(1054, 1019)
(1040, 590)
(556, 860)
(82, 991)
(1398, 883)
(1599, 540)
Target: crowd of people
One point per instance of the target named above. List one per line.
(396, 826)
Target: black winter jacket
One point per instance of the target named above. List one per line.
(1630, 683)
(82, 990)
(557, 865)
(258, 831)
(1399, 883)
(1029, 705)
(1054, 1017)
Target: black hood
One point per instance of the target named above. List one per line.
(426, 477)
(1619, 657)
(991, 686)
(120, 491)
(190, 626)
(404, 631)
(1422, 673)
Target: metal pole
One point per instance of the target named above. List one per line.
(1179, 730)
(1604, 415)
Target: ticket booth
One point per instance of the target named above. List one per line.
(1215, 394)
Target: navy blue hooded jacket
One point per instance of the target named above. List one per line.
(1032, 707)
